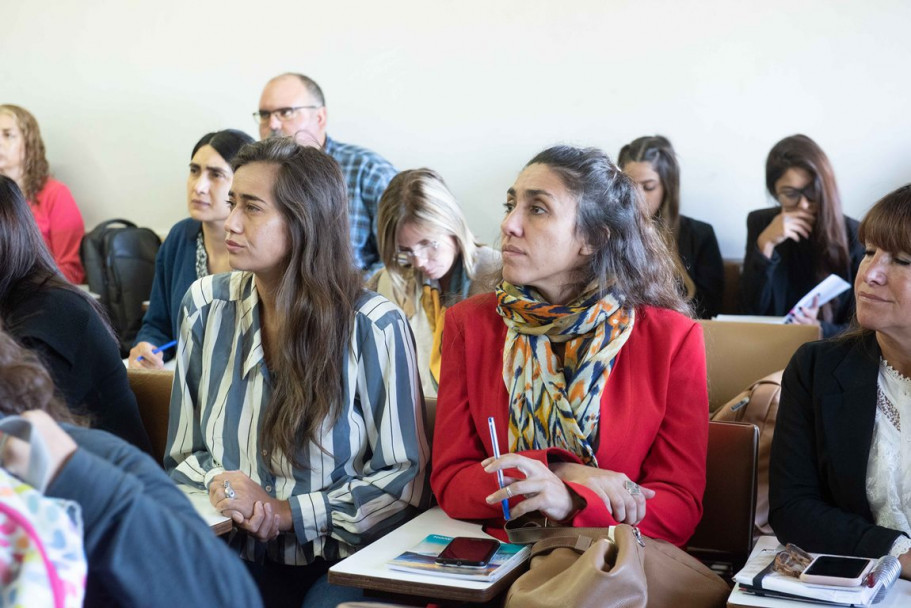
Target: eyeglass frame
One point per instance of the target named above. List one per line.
(264, 116)
(810, 192)
(407, 258)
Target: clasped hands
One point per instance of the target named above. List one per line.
(545, 490)
(251, 508)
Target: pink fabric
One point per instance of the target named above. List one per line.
(654, 419)
(60, 223)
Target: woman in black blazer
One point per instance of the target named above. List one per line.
(63, 325)
(839, 469)
(792, 247)
(652, 164)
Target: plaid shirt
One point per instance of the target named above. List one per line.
(366, 176)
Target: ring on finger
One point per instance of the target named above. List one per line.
(509, 491)
(632, 487)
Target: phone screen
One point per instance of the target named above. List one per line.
(466, 551)
(839, 567)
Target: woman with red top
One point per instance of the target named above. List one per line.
(586, 358)
(22, 159)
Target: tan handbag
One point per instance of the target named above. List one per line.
(588, 567)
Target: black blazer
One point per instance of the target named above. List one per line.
(818, 466)
(773, 287)
(699, 252)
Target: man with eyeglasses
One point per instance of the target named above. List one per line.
(293, 105)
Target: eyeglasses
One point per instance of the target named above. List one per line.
(406, 257)
(283, 114)
(790, 197)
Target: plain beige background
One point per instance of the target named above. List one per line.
(471, 88)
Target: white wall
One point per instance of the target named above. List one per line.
(472, 88)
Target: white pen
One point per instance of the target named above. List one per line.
(496, 453)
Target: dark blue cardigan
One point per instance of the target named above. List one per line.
(175, 270)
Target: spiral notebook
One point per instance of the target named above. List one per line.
(757, 577)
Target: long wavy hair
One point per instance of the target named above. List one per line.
(27, 265)
(35, 170)
(629, 253)
(316, 297)
(420, 196)
(829, 240)
(657, 151)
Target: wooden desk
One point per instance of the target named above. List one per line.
(367, 568)
(200, 500)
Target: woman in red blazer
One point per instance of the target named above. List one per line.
(586, 359)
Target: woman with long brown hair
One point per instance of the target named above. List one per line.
(652, 163)
(22, 159)
(296, 400)
(792, 247)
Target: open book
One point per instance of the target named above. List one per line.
(422, 559)
(758, 578)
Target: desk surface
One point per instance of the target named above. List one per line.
(899, 595)
(200, 500)
(367, 568)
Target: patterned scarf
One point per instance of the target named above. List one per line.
(549, 406)
(432, 301)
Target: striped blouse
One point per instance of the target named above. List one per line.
(372, 475)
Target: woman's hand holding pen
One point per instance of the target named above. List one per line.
(624, 499)
(794, 224)
(542, 489)
(237, 496)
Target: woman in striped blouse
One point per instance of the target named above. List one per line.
(296, 400)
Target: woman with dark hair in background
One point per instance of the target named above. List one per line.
(432, 260)
(296, 400)
(791, 248)
(586, 359)
(838, 474)
(652, 164)
(144, 541)
(195, 247)
(63, 325)
(22, 159)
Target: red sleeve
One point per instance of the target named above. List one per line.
(675, 464)
(65, 229)
(469, 392)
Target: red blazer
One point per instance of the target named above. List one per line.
(654, 419)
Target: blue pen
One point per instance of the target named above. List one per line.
(496, 453)
(159, 349)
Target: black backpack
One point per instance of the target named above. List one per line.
(119, 261)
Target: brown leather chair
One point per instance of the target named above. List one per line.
(730, 298)
(739, 354)
(153, 395)
(725, 533)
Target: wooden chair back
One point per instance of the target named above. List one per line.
(739, 354)
(153, 395)
(725, 532)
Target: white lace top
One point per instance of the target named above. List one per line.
(888, 484)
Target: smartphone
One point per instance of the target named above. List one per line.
(837, 570)
(468, 552)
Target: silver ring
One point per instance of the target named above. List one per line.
(229, 491)
(509, 491)
(632, 487)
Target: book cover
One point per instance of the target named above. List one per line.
(422, 559)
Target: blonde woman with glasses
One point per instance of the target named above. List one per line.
(432, 260)
(792, 247)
